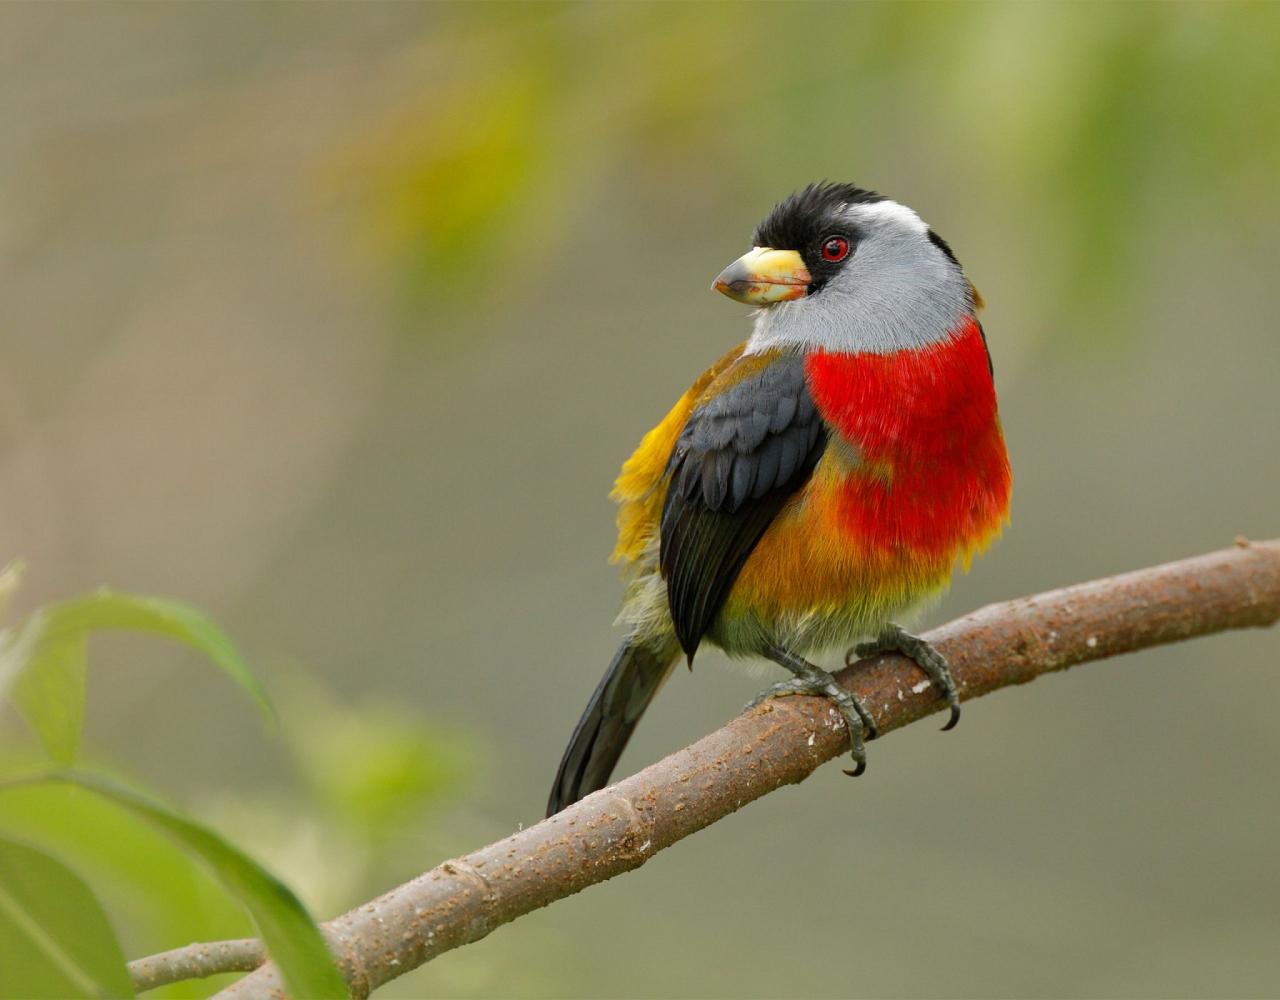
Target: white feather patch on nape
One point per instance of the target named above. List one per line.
(892, 212)
(898, 292)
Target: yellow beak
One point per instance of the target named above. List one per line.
(764, 276)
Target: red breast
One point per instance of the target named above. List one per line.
(925, 424)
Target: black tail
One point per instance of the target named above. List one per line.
(621, 697)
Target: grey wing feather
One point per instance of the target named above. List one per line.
(738, 460)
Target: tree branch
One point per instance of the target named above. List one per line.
(195, 961)
(781, 742)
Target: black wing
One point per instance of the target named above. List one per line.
(738, 460)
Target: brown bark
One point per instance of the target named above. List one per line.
(195, 961)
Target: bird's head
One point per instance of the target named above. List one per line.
(839, 268)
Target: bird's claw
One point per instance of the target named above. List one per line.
(895, 639)
(782, 689)
(820, 684)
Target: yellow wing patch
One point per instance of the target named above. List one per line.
(639, 487)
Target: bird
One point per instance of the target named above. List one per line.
(820, 480)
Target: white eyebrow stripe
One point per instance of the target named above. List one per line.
(888, 211)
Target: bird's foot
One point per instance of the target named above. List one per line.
(815, 681)
(895, 639)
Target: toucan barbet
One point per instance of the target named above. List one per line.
(818, 481)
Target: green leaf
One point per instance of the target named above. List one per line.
(158, 895)
(10, 578)
(55, 941)
(291, 936)
(43, 661)
(48, 671)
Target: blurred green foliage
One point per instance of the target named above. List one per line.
(55, 941)
(43, 659)
(372, 770)
(1086, 120)
(51, 927)
(291, 937)
(373, 767)
(36, 911)
(156, 893)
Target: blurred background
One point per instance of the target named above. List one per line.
(337, 321)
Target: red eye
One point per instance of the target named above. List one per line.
(836, 248)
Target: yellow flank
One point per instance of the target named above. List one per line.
(639, 487)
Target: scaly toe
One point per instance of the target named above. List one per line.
(782, 689)
(895, 640)
(815, 681)
(863, 650)
(854, 715)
